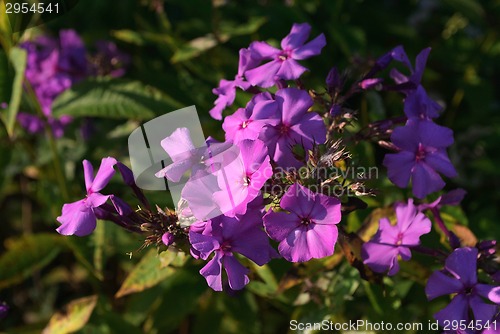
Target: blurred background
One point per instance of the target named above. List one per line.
(183, 49)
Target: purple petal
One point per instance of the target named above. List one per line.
(433, 135)
(96, 199)
(462, 263)
(312, 48)
(104, 174)
(88, 172)
(236, 272)
(453, 197)
(212, 272)
(262, 51)
(177, 144)
(425, 180)
(76, 219)
(440, 284)
(264, 75)
(488, 291)
(297, 36)
(327, 210)
(399, 167)
(205, 244)
(279, 225)
(482, 311)
(121, 206)
(380, 258)
(311, 129)
(457, 309)
(321, 240)
(290, 70)
(440, 162)
(295, 103)
(246, 61)
(420, 62)
(294, 247)
(299, 200)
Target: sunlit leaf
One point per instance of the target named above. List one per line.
(75, 316)
(146, 274)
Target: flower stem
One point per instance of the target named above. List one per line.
(452, 238)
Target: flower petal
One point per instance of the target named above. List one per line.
(236, 272)
(312, 48)
(279, 225)
(440, 284)
(457, 310)
(104, 174)
(297, 36)
(462, 263)
(212, 272)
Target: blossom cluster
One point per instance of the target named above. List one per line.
(56, 64)
(236, 201)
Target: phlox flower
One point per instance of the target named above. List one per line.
(295, 125)
(79, 218)
(423, 154)
(459, 277)
(309, 228)
(382, 251)
(224, 237)
(283, 64)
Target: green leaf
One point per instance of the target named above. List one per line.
(27, 255)
(199, 45)
(17, 58)
(196, 47)
(113, 98)
(147, 273)
(181, 294)
(237, 29)
(76, 315)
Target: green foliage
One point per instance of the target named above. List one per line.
(113, 98)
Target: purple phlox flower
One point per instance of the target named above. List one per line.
(167, 238)
(187, 157)
(243, 177)
(53, 66)
(4, 309)
(309, 228)
(419, 105)
(224, 237)
(295, 126)
(72, 58)
(460, 277)
(453, 198)
(382, 251)
(334, 81)
(423, 154)
(79, 218)
(110, 60)
(283, 64)
(247, 123)
(226, 91)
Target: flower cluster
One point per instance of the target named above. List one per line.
(55, 64)
(421, 143)
(271, 180)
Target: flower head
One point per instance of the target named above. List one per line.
(295, 125)
(423, 154)
(460, 277)
(248, 123)
(226, 91)
(283, 64)
(224, 237)
(381, 253)
(309, 228)
(79, 218)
